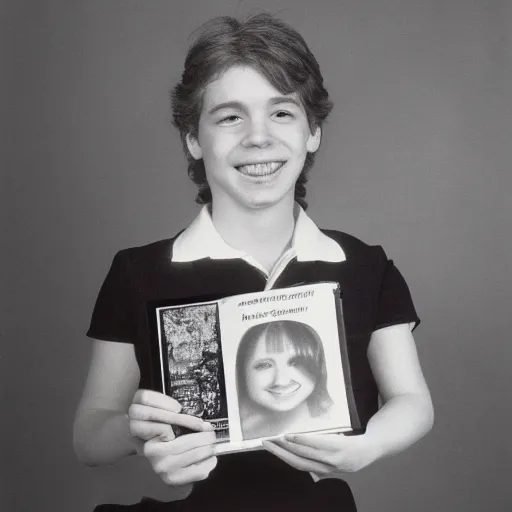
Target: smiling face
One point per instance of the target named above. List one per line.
(253, 140)
(277, 379)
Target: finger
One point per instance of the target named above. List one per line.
(173, 463)
(199, 471)
(296, 461)
(144, 413)
(189, 442)
(182, 444)
(193, 473)
(195, 456)
(320, 441)
(306, 452)
(155, 399)
(170, 465)
(210, 464)
(148, 430)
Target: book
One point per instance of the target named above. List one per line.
(257, 365)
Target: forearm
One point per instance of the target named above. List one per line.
(400, 422)
(103, 437)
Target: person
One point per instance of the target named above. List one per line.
(250, 109)
(281, 379)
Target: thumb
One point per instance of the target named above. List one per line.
(166, 434)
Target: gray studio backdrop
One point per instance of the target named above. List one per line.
(415, 157)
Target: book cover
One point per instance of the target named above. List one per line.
(258, 365)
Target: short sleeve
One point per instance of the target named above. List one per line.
(395, 304)
(113, 316)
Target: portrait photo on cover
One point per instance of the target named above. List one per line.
(281, 377)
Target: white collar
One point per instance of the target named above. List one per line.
(202, 240)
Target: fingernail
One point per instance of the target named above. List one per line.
(208, 426)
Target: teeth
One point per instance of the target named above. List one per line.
(260, 169)
(284, 391)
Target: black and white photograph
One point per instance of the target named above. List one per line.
(281, 377)
(210, 158)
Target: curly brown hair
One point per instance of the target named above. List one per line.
(272, 48)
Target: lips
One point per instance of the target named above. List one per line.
(261, 169)
(284, 391)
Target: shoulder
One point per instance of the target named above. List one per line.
(137, 264)
(356, 249)
(148, 253)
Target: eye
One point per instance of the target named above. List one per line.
(264, 365)
(296, 361)
(229, 120)
(283, 114)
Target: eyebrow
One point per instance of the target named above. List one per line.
(277, 100)
(237, 105)
(256, 362)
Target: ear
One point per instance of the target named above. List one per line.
(313, 142)
(194, 147)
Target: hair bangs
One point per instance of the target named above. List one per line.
(292, 338)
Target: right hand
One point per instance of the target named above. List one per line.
(188, 458)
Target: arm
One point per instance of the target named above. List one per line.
(114, 420)
(101, 433)
(407, 413)
(405, 417)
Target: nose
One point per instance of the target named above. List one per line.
(282, 376)
(257, 134)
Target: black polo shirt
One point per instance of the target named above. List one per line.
(374, 295)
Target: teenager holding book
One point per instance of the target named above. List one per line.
(250, 109)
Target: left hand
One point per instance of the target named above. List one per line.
(325, 455)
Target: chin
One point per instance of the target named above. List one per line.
(284, 407)
(263, 201)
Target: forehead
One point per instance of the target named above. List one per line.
(242, 84)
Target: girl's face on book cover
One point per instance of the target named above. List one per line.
(277, 380)
(253, 139)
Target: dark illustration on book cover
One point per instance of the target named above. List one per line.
(192, 350)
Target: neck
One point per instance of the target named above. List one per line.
(263, 233)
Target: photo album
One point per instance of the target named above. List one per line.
(258, 365)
